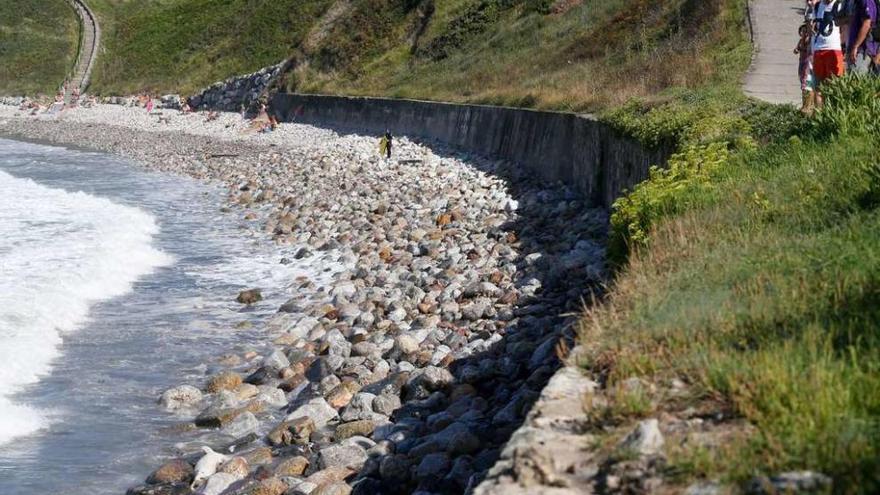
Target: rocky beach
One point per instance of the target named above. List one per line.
(454, 282)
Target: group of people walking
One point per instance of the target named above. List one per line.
(837, 36)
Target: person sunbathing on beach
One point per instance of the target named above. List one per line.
(212, 116)
(269, 126)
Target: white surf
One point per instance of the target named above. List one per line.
(60, 253)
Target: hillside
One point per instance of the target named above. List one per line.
(37, 45)
(567, 54)
(183, 45)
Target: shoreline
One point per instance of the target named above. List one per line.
(420, 361)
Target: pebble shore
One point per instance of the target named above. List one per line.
(457, 282)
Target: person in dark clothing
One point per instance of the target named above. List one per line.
(388, 143)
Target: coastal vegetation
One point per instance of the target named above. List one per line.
(751, 276)
(37, 45)
(564, 54)
(184, 45)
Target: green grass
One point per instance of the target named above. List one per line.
(38, 40)
(563, 54)
(762, 291)
(512, 52)
(184, 45)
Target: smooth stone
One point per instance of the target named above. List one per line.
(241, 425)
(354, 428)
(218, 483)
(360, 407)
(176, 471)
(295, 466)
(317, 409)
(346, 455)
(226, 380)
(184, 396)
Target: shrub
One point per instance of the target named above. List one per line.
(852, 106)
(652, 126)
(667, 191)
(773, 123)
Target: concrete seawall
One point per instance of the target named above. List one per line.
(575, 150)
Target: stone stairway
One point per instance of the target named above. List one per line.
(88, 50)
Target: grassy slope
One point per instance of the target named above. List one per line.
(37, 45)
(757, 286)
(585, 56)
(183, 45)
(565, 55)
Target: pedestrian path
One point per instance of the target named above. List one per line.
(772, 76)
(88, 49)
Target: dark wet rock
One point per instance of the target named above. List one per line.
(176, 471)
(250, 296)
(161, 489)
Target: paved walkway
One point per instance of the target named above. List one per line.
(88, 50)
(773, 74)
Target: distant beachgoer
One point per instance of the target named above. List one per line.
(149, 104)
(385, 144)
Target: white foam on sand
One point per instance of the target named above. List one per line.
(60, 253)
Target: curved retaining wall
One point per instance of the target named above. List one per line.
(576, 150)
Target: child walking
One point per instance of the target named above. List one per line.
(805, 67)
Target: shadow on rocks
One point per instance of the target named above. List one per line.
(456, 416)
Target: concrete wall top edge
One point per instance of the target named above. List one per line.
(587, 116)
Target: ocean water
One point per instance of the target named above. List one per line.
(115, 284)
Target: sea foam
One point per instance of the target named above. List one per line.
(60, 253)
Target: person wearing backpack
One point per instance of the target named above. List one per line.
(843, 16)
(862, 47)
(827, 47)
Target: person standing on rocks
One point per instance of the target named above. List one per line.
(385, 144)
